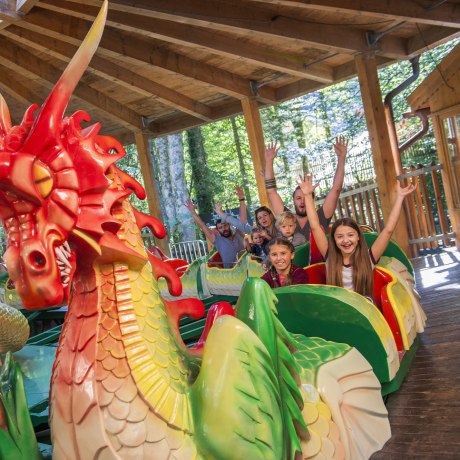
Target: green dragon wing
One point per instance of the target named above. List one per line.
(17, 437)
(256, 308)
(235, 399)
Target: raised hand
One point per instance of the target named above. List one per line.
(218, 208)
(239, 192)
(306, 184)
(341, 147)
(271, 150)
(264, 234)
(403, 191)
(190, 205)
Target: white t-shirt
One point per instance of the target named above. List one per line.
(347, 273)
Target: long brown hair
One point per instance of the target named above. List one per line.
(272, 230)
(282, 242)
(363, 277)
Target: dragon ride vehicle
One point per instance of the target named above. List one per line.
(384, 331)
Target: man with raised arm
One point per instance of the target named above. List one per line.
(326, 211)
(229, 244)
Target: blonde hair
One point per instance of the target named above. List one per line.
(286, 216)
(363, 276)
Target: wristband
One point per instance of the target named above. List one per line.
(242, 199)
(270, 183)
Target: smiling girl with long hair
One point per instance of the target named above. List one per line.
(349, 262)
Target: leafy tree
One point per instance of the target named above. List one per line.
(201, 177)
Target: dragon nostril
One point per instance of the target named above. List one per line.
(37, 259)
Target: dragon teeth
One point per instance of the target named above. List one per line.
(62, 257)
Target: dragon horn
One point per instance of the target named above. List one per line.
(53, 108)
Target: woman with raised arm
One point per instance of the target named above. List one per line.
(349, 262)
(264, 218)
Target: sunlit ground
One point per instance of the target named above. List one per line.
(439, 268)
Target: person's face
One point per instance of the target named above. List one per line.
(281, 258)
(287, 229)
(299, 203)
(264, 219)
(224, 229)
(257, 238)
(347, 239)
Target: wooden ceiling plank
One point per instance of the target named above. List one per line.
(212, 40)
(138, 48)
(10, 83)
(263, 19)
(24, 6)
(22, 58)
(441, 14)
(161, 127)
(108, 69)
(348, 70)
(298, 88)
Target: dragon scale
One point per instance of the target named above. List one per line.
(117, 343)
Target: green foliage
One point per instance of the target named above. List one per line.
(130, 165)
(224, 167)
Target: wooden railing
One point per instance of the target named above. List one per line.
(428, 221)
(427, 218)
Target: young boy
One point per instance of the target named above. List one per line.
(257, 247)
(286, 223)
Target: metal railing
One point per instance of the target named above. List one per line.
(188, 250)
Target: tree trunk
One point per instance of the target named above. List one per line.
(156, 171)
(167, 195)
(184, 230)
(297, 122)
(200, 171)
(244, 183)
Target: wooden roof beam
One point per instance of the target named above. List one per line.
(188, 35)
(441, 14)
(115, 42)
(259, 18)
(10, 84)
(429, 38)
(8, 11)
(162, 126)
(24, 6)
(108, 69)
(20, 57)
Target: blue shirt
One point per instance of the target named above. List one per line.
(229, 249)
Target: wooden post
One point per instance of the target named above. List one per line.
(256, 144)
(385, 169)
(150, 185)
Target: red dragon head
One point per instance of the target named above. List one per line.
(54, 187)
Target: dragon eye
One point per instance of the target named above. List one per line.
(43, 179)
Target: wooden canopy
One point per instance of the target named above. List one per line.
(167, 65)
